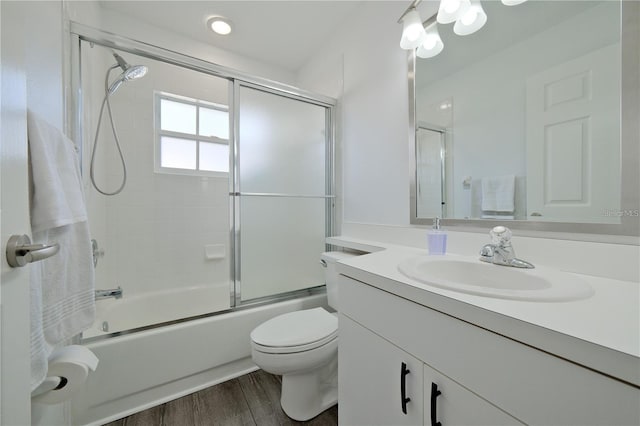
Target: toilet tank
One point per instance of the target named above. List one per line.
(328, 260)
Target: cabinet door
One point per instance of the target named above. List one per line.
(449, 403)
(373, 377)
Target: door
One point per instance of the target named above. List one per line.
(449, 403)
(378, 383)
(283, 192)
(573, 139)
(15, 398)
(430, 172)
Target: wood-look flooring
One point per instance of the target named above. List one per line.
(252, 399)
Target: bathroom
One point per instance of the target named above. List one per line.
(359, 63)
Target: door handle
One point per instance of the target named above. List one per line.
(434, 407)
(20, 251)
(403, 387)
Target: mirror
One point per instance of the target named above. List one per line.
(522, 120)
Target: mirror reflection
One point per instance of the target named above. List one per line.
(521, 120)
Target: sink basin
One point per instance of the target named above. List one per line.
(469, 275)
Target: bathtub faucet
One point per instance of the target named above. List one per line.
(112, 292)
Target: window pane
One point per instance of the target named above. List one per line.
(214, 122)
(177, 153)
(177, 117)
(214, 157)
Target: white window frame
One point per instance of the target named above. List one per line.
(158, 96)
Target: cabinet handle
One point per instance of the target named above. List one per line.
(403, 387)
(434, 396)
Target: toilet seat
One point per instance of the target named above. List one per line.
(297, 331)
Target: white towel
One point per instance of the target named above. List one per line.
(62, 287)
(57, 198)
(498, 194)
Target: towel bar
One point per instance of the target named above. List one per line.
(20, 251)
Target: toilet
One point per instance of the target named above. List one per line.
(302, 346)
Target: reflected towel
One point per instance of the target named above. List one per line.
(62, 287)
(498, 194)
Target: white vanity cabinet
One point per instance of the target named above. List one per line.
(380, 384)
(449, 403)
(483, 377)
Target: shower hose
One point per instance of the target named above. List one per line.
(106, 102)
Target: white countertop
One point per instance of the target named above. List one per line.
(601, 333)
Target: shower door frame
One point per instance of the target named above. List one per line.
(237, 193)
(74, 113)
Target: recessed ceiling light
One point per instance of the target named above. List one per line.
(219, 25)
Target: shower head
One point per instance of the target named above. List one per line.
(129, 72)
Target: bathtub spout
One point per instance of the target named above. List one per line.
(105, 294)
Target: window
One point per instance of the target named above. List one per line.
(192, 136)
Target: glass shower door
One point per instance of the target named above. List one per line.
(164, 240)
(283, 192)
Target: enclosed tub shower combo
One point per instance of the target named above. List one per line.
(210, 194)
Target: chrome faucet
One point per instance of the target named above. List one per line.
(112, 292)
(500, 251)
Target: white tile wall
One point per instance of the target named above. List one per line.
(154, 232)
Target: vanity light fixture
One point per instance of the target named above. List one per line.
(412, 30)
(432, 44)
(451, 10)
(468, 15)
(219, 25)
(473, 19)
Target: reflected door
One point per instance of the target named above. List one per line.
(573, 140)
(282, 192)
(430, 172)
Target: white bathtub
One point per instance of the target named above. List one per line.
(146, 368)
(143, 309)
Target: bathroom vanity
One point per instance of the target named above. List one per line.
(411, 353)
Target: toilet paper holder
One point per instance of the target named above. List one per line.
(68, 369)
(49, 384)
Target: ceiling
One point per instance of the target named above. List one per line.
(281, 33)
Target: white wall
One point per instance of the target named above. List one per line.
(364, 65)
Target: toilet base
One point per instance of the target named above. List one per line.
(306, 395)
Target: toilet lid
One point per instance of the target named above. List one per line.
(297, 328)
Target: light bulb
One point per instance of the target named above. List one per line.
(469, 17)
(430, 42)
(219, 25)
(413, 31)
(472, 21)
(451, 10)
(450, 6)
